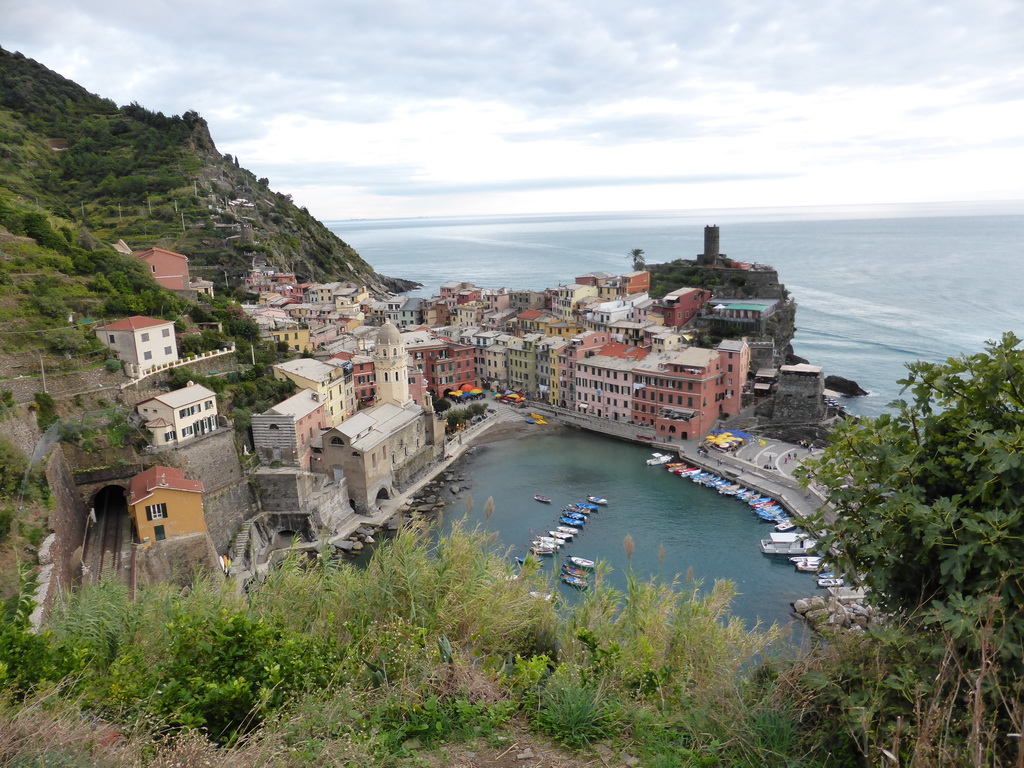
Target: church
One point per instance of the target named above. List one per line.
(382, 449)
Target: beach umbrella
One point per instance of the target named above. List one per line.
(476, 391)
(466, 387)
(453, 393)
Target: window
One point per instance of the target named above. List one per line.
(209, 405)
(144, 337)
(159, 533)
(147, 355)
(110, 338)
(156, 512)
(167, 350)
(166, 332)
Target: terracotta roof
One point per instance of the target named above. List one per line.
(148, 251)
(134, 324)
(530, 314)
(144, 483)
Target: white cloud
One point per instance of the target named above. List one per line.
(393, 107)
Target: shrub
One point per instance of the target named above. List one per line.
(113, 365)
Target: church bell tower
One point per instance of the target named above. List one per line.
(391, 367)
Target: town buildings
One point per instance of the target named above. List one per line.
(163, 504)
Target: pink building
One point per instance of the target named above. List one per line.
(579, 347)
(604, 381)
(286, 432)
(168, 268)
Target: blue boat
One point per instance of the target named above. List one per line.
(574, 522)
(575, 515)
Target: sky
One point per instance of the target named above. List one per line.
(400, 108)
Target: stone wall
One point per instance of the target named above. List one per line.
(228, 500)
(65, 385)
(68, 522)
(799, 398)
(176, 560)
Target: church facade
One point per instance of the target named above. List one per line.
(381, 449)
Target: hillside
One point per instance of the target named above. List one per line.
(100, 173)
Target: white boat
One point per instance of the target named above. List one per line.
(659, 458)
(581, 562)
(542, 550)
(830, 581)
(561, 535)
(597, 500)
(546, 541)
(785, 525)
(787, 543)
(806, 564)
(567, 529)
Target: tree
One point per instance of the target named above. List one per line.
(928, 499)
(637, 257)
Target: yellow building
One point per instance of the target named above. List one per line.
(297, 339)
(332, 381)
(164, 505)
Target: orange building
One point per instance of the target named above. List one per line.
(168, 268)
(163, 505)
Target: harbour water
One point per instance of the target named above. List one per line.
(876, 286)
(678, 528)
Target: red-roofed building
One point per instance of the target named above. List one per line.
(164, 504)
(168, 268)
(141, 343)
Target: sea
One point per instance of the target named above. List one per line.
(877, 287)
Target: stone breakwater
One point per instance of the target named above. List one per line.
(830, 614)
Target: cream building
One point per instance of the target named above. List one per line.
(179, 416)
(332, 381)
(142, 343)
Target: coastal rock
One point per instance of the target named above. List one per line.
(845, 387)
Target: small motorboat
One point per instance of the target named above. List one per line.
(785, 524)
(659, 458)
(574, 571)
(574, 522)
(541, 550)
(830, 581)
(542, 499)
(561, 536)
(574, 581)
(568, 529)
(582, 562)
(546, 541)
(576, 515)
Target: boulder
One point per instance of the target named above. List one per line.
(846, 387)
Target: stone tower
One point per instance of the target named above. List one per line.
(391, 367)
(710, 255)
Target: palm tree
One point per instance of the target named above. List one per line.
(637, 256)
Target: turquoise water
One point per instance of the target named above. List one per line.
(703, 532)
(876, 287)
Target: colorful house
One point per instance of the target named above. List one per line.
(179, 416)
(141, 343)
(164, 505)
(168, 268)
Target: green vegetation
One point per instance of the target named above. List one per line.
(456, 418)
(929, 500)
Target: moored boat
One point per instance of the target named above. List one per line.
(561, 535)
(597, 500)
(787, 543)
(581, 562)
(542, 550)
(568, 529)
(830, 581)
(542, 499)
(574, 581)
(574, 522)
(659, 458)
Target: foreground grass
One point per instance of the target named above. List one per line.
(434, 650)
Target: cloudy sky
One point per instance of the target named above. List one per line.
(387, 108)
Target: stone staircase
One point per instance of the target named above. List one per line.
(238, 555)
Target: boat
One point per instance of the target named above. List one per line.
(574, 522)
(586, 507)
(546, 541)
(787, 543)
(830, 581)
(573, 571)
(562, 535)
(568, 529)
(581, 562)
(785, 524)
(811, 563)
(536, 550)
(576, 515)
(659, 458)
(575, 581)
(542, 499)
